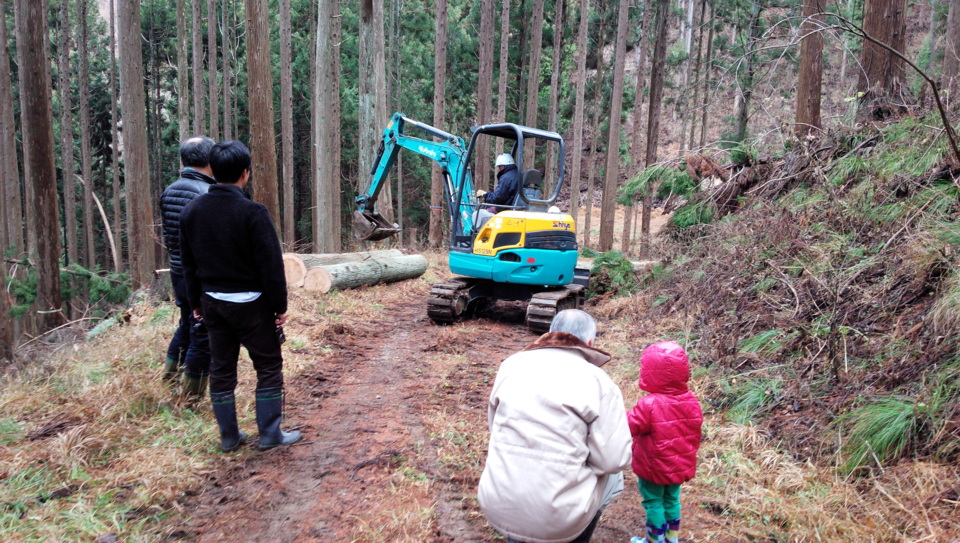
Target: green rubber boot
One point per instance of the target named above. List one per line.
(171, 371)
(193, 390)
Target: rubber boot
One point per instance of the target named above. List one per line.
(171, 370)
(672, 533)
(269, 413)
(225, 411)
(193, 389)
(654, 535)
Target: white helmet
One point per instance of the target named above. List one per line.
(504, 159)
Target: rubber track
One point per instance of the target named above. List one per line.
(448, 300)
(544, 305)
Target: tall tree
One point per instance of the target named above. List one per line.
(484, 93)
(578, 107)
(263, 145)
(39, 164)
(373, 96)
(951, 52)
(286, 124)
(708, 64)
(115, 142)
(697, 70)
(595, 124)
(11, 210)
(811, 72)
(883, 77)
(636, 151)
(7, 337)
(183, 77)
(212, 68)
(657, 77)
(199, 115)
(612, 170)
(136, 165)
(533, 80)
(683, 108)
(66, 133)
(749, 67)
(228, 49)
(86, 154)
(558, 28)
(502, 80)
(439, 105)
(326, 126)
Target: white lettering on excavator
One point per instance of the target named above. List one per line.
(426, 151)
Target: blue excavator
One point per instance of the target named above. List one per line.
(524, 252)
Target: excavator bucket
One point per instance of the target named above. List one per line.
(371, 226)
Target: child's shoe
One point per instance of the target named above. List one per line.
(654, 535)
(671, 533)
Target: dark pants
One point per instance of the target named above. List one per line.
(231, 325)
(188, 348)
(584, 536)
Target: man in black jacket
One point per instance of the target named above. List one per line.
(235, 282)
(189, 348)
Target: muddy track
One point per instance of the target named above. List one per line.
(360, 409)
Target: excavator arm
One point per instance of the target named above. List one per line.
(449, 154)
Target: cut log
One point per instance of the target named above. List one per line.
(368, 272)
(296, 266)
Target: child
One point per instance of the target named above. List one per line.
(665, 426)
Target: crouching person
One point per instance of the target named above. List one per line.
(559, 438)
(234, 272)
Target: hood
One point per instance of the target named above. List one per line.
(509, 168)
(664, 368)
(570, 342)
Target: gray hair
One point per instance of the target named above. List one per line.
(195, 151)
(576, 322)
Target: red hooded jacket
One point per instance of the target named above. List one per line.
(666, 423)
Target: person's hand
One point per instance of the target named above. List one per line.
(281, 319)
(197, 316)
(481, 193)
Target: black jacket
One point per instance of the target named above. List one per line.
(229, 244)
(174, 198)
(508, 182)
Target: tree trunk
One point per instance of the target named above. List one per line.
(697, 70)
(7, 338)
(135, 149)
(11, 209)
(578, 107)
(296, 266)
(504, 69)
(212, 68)
(326, 126)
(263, 145)
(183, 76)
(86, 154)
(883, 77)
(653, 115)
(286, 124)
(550, 177)
(439, 104)
(533, 82)
(612, 169)
(682, 103)
(811, 73)
(368, 272)
(484, 95)
(595, 124)
(199, 115)
(39, 170)
(66, 134)
(396, 95)
(118, 262)
(372, 107)
(636, 118)
(746, 76)
(228, 48)
(705, 107)
(951, 53)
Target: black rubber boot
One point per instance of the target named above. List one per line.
(269, 413)
(225, 410)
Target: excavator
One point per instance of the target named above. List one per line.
(525, 252)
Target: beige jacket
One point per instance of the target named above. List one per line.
(557, 428)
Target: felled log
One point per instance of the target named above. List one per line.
(368, 272)
(296, 266)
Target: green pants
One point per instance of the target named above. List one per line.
(661, 502)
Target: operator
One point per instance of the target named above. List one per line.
(508, 184)
(559, 438)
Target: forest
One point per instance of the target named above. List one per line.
(771, 183)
